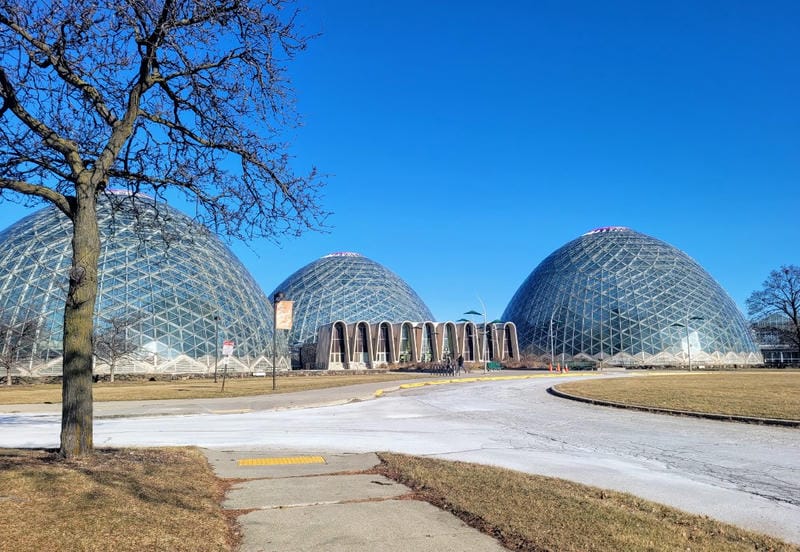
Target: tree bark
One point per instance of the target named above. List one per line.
(76, 409)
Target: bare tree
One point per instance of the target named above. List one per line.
(113, 342)
(16, 336)
(780, 294)
(151, 96)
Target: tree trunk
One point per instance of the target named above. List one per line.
(76, 409)
(8, 376)
(111, 373)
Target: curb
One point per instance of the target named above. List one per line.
(708, 415)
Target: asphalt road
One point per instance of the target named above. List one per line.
(744, 474)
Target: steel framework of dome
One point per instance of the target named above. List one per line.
(347, 286)
(177, 289)
(624, 298)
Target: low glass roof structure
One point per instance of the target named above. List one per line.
(174, 285)
(347, 286)
(625, 298)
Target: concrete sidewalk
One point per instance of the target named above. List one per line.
(228, 405)
(316, 501)
(278, 401)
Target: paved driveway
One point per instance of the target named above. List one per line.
(745, 474)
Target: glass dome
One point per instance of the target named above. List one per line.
(349, 287)
(175, 287)
(619, 296)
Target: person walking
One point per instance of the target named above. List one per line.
(460, 363)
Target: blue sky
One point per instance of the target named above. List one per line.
(464, 142)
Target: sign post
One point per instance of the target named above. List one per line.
(227, 351)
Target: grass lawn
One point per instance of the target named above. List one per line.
(168, 499)
(765, 394)
(191, 389)
(120, 500)
(535, 513)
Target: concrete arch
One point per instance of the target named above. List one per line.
(364, 345)
(405, 342)
(428, 344)
(360, 345)
(510, 346)
(469, 342)
(333, 347)
(383, 344)
(447, 335)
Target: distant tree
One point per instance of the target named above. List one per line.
(16, 336)
(150, 96)
(780, 294)
(113, 343)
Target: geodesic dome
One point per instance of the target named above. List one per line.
(178, 289)
(619, 296)
(349, 287)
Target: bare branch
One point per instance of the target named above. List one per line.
(59, 62)
(66, 147)
(43, 192)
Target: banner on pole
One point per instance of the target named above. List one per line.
(283, 315)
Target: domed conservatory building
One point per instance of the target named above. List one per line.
(618, 297)
(170, 293)
(347, 286)
(351, 312)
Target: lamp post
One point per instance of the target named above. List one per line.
(277, 298)
(216, 345)
(552, 340)
(485, 344)
(688, 343)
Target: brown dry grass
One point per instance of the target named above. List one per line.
(761, 394)
(535, 513)
(189, 389)
(121, 500)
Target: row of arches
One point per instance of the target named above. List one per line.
(360, 345)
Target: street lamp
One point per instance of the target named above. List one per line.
(483, 345)
(216, 345)
(552, 340)
(277, 298)
(485, 333)
(688, 343)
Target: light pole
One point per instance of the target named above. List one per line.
(277, 298)
(485, 344)
(216, 345)
(552, 340)
(688, 343)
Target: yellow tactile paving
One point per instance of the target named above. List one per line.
(281, 461)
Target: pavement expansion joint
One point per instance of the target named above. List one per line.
(335, 502)
(281, 461)
(300, 505)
